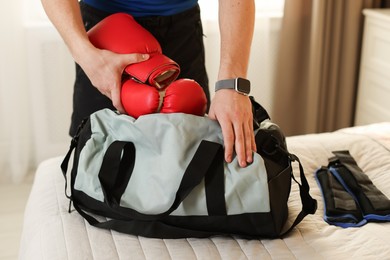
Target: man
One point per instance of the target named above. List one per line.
(102, 69)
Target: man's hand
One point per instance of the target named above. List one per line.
(234, 113)
(105, 68)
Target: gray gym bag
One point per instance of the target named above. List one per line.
(164, 176)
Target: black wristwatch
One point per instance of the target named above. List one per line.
(242, 86)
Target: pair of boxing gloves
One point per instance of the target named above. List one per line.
(151, 85)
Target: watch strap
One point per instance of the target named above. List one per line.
(224, 84)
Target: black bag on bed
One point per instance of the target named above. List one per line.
(164, 176)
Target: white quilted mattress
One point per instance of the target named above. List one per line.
(50, 232)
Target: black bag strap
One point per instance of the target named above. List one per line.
(215, 186)
(64, 165)
(117, 167)
(201, 166)
(207, 163)
(65, 162)
(274, 150)
(259, 113)
(309, 205)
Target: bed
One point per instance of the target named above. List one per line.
(50, 232)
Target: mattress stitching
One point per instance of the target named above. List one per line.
(265, 247)
(306, 242)
(292, 253)
(60, 213)
(193, 250)
(261, 242)
(116, 248)
(89, 239)
(169, 253)
(142, 248)
(219, 252)
(242, 250)
(270, 253)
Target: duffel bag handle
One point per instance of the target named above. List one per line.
(201, 166)
(309, 205)
(116, 170)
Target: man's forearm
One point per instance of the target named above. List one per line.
(236, 23)
(66, 17)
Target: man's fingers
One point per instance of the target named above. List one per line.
(245, 143)
(235, 118)
(240, 144)
(134, 58)
(228, 139)
(116, 99)
(237, 137)
(250, 144)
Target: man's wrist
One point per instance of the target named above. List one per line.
(240, 85)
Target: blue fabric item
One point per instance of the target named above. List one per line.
(345, 221)
(141, 8)
(367, 217)
(350, 198)
(375, 217)
(343, 215)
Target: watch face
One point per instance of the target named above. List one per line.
(243, 85)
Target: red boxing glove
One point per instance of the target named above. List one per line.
(120, 33)
(139, 99)
(184, 96)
